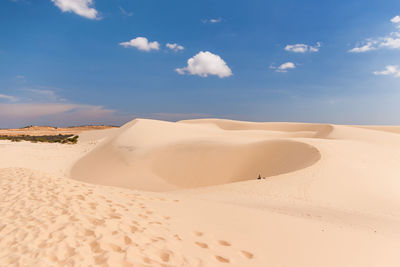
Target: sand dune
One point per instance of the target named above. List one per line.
(161, 156)
(331, 196)
(48, 130)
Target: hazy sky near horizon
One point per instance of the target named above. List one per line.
(68, 62)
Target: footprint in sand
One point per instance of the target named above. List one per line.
(178, 237)
(247, 254)
(222, 259)
(197, 233)
(127, 240)
(164, 256)
(224, 243)
(201, 244)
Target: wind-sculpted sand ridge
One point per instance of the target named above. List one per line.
(162, 156)
(313, 130)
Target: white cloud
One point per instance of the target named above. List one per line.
(204, 64)
(369, 46)
(285, 67)
(174, 47)
(82, 8)
(142, 44)
(390, 70)
(395, 19)
(213, 21)
(8, 97)
(391, 41)
(303, 48)
(216, 20)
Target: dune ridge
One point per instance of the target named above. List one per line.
(314, 130)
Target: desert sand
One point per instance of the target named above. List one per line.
(155, 193)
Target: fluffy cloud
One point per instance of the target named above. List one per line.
(286, 66)
(391, 41)
(82, 8)
(174, 47)
(204, 64)
(368, 46)
(390, 70)
(395, 19)
(303, 48)
(142, 44)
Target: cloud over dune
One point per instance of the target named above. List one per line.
(392, 70)
(390, 41)
(284, 67)
(141, 43)
(212, 21)
(175, 47)
(303, 48)
(82, 8)
(204, 64)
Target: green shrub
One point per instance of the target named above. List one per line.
(62, 139)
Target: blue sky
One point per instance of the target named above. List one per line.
(68, 62)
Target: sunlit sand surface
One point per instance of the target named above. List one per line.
(155, 193)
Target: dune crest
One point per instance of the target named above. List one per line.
(313, 130)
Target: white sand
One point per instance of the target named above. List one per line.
(331, 197)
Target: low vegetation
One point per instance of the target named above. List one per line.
(62, 139)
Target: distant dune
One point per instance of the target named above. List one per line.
(49, 130)
(156, 193)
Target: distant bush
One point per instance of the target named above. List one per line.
(62, 139)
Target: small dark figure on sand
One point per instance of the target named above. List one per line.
(259, 177)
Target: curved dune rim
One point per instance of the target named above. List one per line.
(321, 130)
(189, 165)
